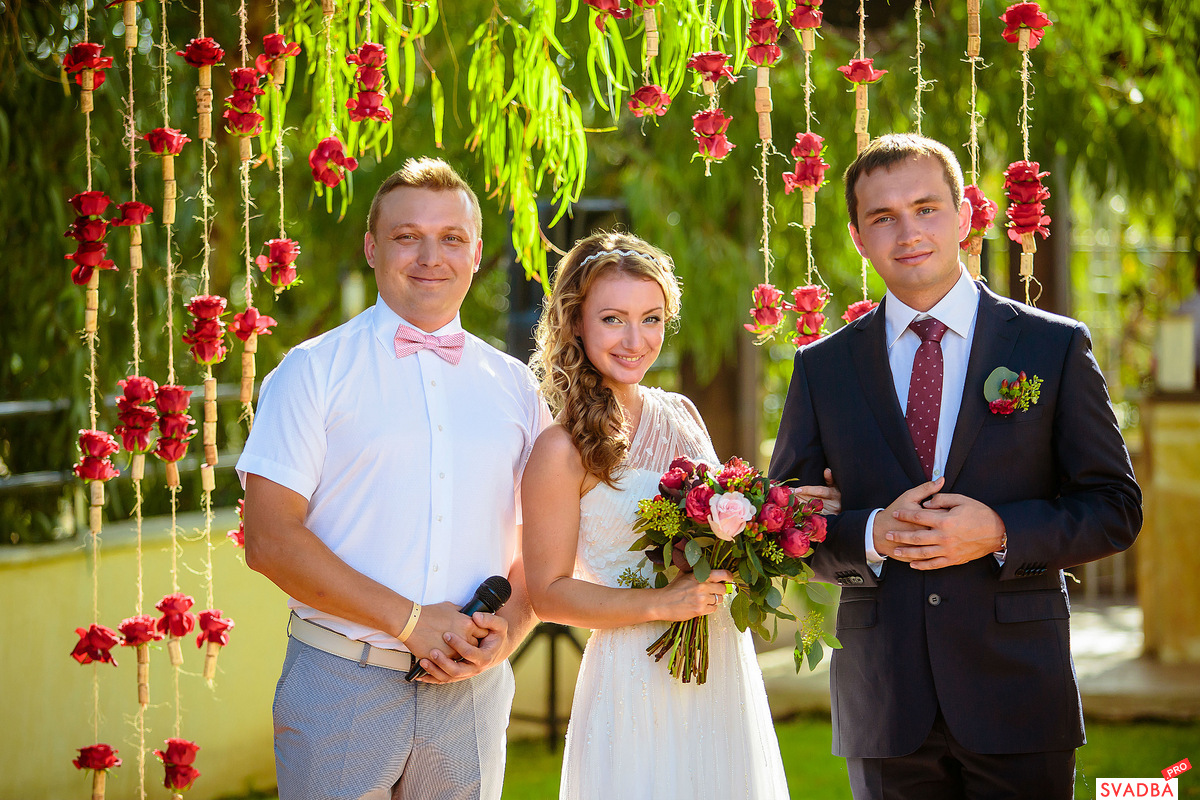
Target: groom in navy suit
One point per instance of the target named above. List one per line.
(955, 677)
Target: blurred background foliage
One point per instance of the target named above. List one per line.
(1114, 118)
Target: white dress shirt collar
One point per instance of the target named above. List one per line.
(956, 310)
(385, 321)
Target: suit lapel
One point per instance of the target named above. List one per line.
(995, 336)
(870, 354)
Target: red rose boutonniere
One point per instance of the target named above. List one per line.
(1007, 391)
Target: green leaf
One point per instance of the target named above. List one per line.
(991, 386)
(818, 594)
(692, 552)
(660, 580)
(831, 640)
(774, 597)
(702, 569)
(439, 108)
(740, 609)
(815, 654)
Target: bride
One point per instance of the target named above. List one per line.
(635, 731)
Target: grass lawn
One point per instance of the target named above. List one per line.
(1137, 750)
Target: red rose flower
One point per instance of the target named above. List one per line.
(765, 319)
(649, 99)
(86, 55)
(138, 389)
(809, 298)
(172, 399)
(242, 123)
(1024, 15)
(684, 463)
(369, 54)
(98, 757)
(764, 55)
(983, 212)
(95, 644)
(711, 64)
(1024, 189)
(645, 3)
(862, 70)
(92, 254)
(275, 47)
(213, 628)
(176, 619)
(794, 543)
(763, 31)
(87, 229)
(710, 123)
(772, 517)
(809, 172)
(138, 630)
(806, 14)
(696, 504)
(606, 7)
(857, 309)
(816, 528)
(97, 443)
(281, 252)
(251, 321)
(166, 141)
(179, 777)
(176, 426)
(206, 306)
(671, 483)
(732, 471)
(780, 496)
(90, 469)
(368, 105)
(328, 161)
(170, 449)
(136, 428)
(761, 9)
(766, 296)
(716, 147)
(810, 322)
(246, 79)
(808, 145)
(89, 204)
(132, 213)
(203, 52)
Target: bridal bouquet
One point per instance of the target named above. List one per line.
(734, 519)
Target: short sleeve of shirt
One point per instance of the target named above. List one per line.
(287, 441)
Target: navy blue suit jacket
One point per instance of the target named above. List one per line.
(989, 645)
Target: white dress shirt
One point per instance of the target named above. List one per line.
(411, 466)
(957, 311)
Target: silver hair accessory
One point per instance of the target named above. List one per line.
(623, 253)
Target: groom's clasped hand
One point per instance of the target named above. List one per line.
(930, 529)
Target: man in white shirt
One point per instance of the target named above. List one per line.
(382, 482)
(955, 678)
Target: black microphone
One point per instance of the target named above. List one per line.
(489, 596)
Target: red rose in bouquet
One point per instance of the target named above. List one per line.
(649, 100)
(734, 520)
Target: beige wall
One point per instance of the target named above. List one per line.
(46, 592)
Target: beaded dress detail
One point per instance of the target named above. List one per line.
(635, 731)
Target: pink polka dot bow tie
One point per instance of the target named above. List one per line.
(449, 348)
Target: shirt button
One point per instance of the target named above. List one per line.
(439, 518)
(435, 567)
(935, 600)
(439, 427)
(441, 474)
(433, 383)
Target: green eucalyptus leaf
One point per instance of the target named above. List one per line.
(692, 552)
(991, 386)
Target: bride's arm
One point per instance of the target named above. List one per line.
(551, 489)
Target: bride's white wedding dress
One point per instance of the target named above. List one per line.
(635, 731)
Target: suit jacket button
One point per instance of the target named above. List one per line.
(856, 579)
(935, 600)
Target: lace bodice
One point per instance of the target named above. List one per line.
(669, 428)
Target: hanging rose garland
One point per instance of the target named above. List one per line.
(203, 53)
(278, 263)
(100, 758)
(214, 630)
(86, 63)
(368, 103)
(176, 622)
(168, 143)
(1024, 24)
(248, 325)
(96, 468)
(604, 8)
(767, 312)
(137, 420)
(649, 100)
(177, 762)
(806, 18)
(862, 73)
(763, 51)
(857, 309)
(89, 230)
(133, 215)
(709, 126)
(174, 429)
(206, 340)
(95, 644)
(809, 304)
(809, 174)
(138, 632)
(983, 214)
(241, 108)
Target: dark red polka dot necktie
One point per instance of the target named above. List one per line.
(925, 391)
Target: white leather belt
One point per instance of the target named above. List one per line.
(335, 644)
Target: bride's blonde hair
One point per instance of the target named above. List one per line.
(571, 384)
